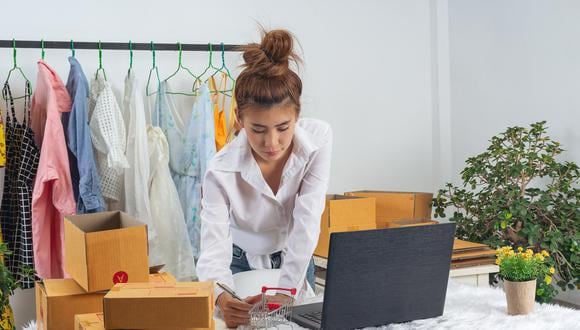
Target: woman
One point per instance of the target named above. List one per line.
(264, 193)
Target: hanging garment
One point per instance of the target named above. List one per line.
(166, 213)
(232, 125)
(191, 146)
(85, 178)
(2, 141)
(109, 140)
(136, 177)
(52, 198)
(16, 212)
(218, 111)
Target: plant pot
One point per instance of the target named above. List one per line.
(520, 296)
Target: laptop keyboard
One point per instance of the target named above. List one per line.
(315, 316)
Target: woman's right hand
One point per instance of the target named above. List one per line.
(234, 311)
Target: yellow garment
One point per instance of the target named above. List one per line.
(2, 143)
(218, 112)
(233, 127)
(6, 317)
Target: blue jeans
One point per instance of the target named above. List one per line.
(240, 264)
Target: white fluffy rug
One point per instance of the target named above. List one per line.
(472, 308)
(467, 307)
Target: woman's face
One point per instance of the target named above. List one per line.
(270, 130)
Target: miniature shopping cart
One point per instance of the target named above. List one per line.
(269, 314)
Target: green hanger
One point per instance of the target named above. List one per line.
(179, 67)
(72, 48)
(42, 48)
(225, 69)
(28, 91)
(100, 69)
(130, 57)
(210, 65)
(153, 68)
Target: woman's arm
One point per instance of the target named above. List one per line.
(216, 240)
(305, 227)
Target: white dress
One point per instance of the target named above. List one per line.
(166, 213)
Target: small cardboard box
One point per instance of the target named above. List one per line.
(181, 305)
(105, 248)
(59, 300)
(344, 213)
(89, 321)
(393, 205)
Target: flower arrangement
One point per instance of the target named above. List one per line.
(523, 265)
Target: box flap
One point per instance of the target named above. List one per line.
(62, 287)
(102, 221)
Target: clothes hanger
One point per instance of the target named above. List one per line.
(179, 67)
(153, 69)
(72, 48)
(224, 69)
(197, 83)
(130, 57)
(42, 49)
(15, 67)
(100, 69)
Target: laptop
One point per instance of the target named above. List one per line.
(378, 277)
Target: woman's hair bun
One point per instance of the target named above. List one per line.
(271, 58)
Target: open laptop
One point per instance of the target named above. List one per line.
(384, 276)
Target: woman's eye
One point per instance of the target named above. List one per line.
(258, 131)
(282, 129)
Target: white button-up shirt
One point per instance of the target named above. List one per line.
(239, 207)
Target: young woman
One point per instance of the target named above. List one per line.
(264, 193)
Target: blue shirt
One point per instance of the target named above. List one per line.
(85, 178)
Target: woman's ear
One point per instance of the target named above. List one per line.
(239, 121)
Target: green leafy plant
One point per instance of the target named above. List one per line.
(8, 284)
(516, 193)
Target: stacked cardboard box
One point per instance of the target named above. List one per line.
(103, 250)
(393, 205)
(468, 254)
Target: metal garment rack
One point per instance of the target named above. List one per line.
(46, 44)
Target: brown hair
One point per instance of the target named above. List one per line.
(267, 78)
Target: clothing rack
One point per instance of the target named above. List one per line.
(45, 44)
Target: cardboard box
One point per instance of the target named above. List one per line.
(344, 213)
(398, 205)
(410, 223)
(181, 305)
(105, 248)
(89, 321)
(59, 300)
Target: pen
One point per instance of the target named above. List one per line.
(228, 290)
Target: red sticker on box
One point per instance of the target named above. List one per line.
(120, 277)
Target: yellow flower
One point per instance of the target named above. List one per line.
(552, 270)
(545, 253)
(497, 261)
(540, 257)
(520, 249)
(529, 252)
(548, 279)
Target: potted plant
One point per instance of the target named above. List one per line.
(7, 286)
(519, 270)
(517, 193)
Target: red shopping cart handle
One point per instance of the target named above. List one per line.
(265, 288)
(273, 306)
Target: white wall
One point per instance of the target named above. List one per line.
(513, 63)
(367, 68)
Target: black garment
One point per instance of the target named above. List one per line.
(22, 156)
